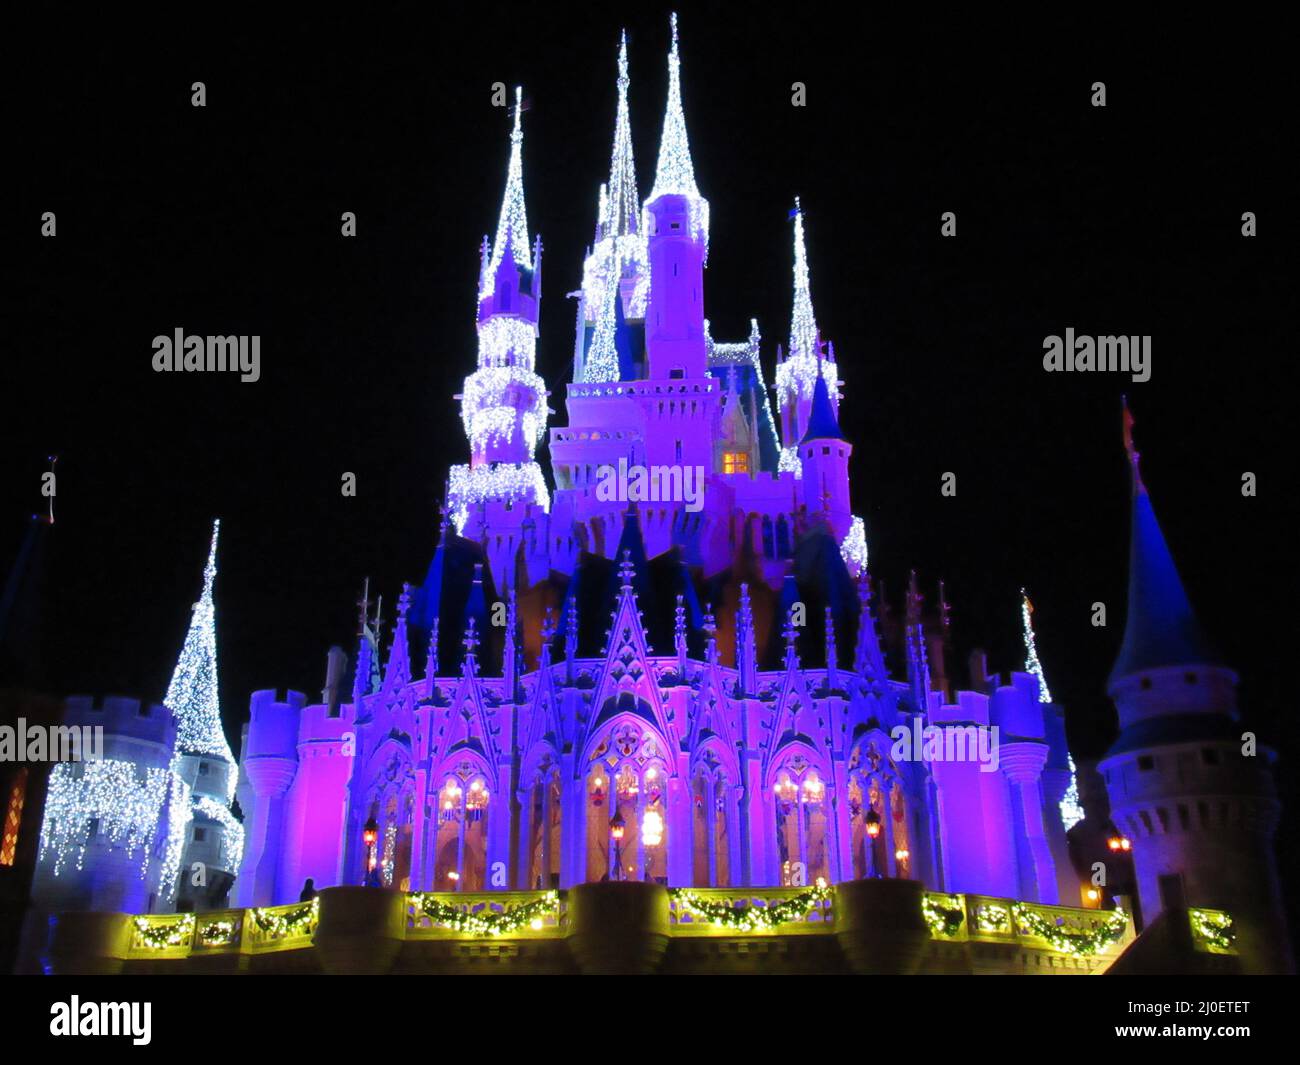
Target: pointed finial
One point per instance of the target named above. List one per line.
(548, 627)
(1133, 456)
(471, 638)
(404, 602)
(710, 626)
(623, 81)
(626, 570)
(363, 606)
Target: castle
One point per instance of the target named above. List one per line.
(620, 685)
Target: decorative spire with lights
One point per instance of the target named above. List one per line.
(1032, 664)
(503, 403)
(621, 204)
(512, 225)
(192, 695)
(805, 362)
(675, 174)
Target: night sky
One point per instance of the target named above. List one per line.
(225, 220)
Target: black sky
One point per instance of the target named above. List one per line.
(226, 220)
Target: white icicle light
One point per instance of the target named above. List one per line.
(797, 375)
(192, 694)
(125, 802)
(507, 341)
(1032, 664)
(788, 462)
(853, 549)
(498, 482)
(232, 847)
(1072, 811)
(487, 413)
(179, 819)
(675, 174)
(513, 221)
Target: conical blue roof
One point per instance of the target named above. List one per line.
(822, 424)
(1161, 629)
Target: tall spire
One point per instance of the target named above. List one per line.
(601, 363)
(620, 202)
(675, 174)
(512, 226)
(1161, 628)
(803, 323)
(797, 375)
(192, 694)
(1032, 664)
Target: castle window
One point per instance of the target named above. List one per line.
(13, 817)
(735, 462)
(200, 834)
(1146, 763)
(675, 373)
(203, 769)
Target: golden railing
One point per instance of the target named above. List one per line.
(470, 915)
(1067, 930)
(751, 911)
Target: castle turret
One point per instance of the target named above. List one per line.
(676, 221)
(1187, 784)
(503, 405)
(807, 358)
(824, 454)
(214, 843)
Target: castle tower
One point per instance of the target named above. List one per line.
(214, 842)
(503, 405)
(617, 260)
(110, 815)
(824, 454)
(676, 221)
(1201, 812)
(805, 360)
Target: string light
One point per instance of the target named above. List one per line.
(943, 913)
(192, 694)
(495, 399)
(853, 548)
(675, 174)
(1071, 808)
(469, 486)
(1076, 944)
(125, 803)
(750, 918)
(232, 838)
(159, 935)
(486, 922)
(512, 225)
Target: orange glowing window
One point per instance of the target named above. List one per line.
(13, 817)
(735, 462)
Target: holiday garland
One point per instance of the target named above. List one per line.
(159, 936)
(217, 933)
(752, 918)
(485, 922)
(300, 921)
(943, 920)
(1213, 928)
(1080, 944)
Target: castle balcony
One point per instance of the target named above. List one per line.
(861, 926)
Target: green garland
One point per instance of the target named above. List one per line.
(299, 921)
(1078, 944)
(217, 933)
(485, 922)
(158, 936)
(991, 917)
(1213, 928)
(943, 920)
(752, 918)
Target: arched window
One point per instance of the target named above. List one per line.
(544, 827)
(460, 862)
(801, 823)
(627, 809)
(878, 821)
(711, 837)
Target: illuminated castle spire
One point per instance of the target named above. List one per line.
(616, 265)
(805, 360)
(192, 695)
(675, 174)
(621, 204)
(503, 405)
